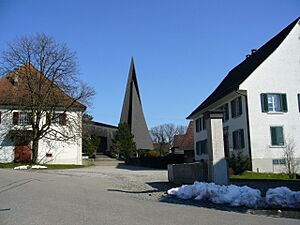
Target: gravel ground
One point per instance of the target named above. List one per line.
(138, 182)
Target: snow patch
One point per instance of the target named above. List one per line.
(219, 194)
(26, 167)
(238, 196)
(22, 167)
(38, 167)
(283, 197)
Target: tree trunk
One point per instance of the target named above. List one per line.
(35, 150)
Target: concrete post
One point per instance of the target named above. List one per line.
(217, 164)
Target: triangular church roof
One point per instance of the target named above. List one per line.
(132, 112)
(242, 71)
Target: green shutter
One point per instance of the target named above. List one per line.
(283, 102)
(242, 139)
(232, 109)
(264, 102)
(273, 136)
(226, 111)
(240, 106)
(234, 139)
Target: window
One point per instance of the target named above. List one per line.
(201, 147)
(238, 139)
(23, 118)
(273, 102)
(62, 119)
(57, 118)
(0, 116)
(200, 124)
(236, 107)
(277, 138)
(278, 161)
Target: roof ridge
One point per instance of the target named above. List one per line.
(244, 69)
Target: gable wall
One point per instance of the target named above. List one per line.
(63, 152)
(280, 73)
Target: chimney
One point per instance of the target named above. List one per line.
(253, 51)
(15, 79)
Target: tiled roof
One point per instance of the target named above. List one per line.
(242, 71)
(16, 92)
(185, 141)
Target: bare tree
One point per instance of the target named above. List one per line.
(164, 134)
(44, 74)
(291, 164)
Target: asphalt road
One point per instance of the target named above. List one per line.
(103, 195)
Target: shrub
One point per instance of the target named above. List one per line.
(239, 163)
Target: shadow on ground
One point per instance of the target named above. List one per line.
(163, 187)
(157, 187)
(124, 166)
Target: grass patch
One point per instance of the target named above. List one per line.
(265, 176)
(49, 166)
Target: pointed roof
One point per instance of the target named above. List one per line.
(132, 112)
(242, 71)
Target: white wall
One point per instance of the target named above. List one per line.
(233, 124)
(63, 151)
(280, 73)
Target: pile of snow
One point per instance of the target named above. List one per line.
(26, 167)
(38, 167)
(283, 197)
(238, 196)
(22, 167)
(219, 194)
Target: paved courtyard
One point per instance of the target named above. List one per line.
(107, 194)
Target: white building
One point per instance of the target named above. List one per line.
(260, 98)
(61, 145)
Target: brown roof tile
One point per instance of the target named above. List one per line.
(14, 93)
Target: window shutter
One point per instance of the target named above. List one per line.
(242, 139)
(240, 106)
(264, 102)
(48, 118)
(234, 139)
(197, 125)
(232, 109)
(62, 119)
(299, 102)
(15, 118)
(283, 102)
(0, 116)
(273, 136)
(29, 118)
(226, 112)
(200, 124)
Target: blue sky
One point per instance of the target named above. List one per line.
(182, 49)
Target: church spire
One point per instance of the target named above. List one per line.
(132, 112)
